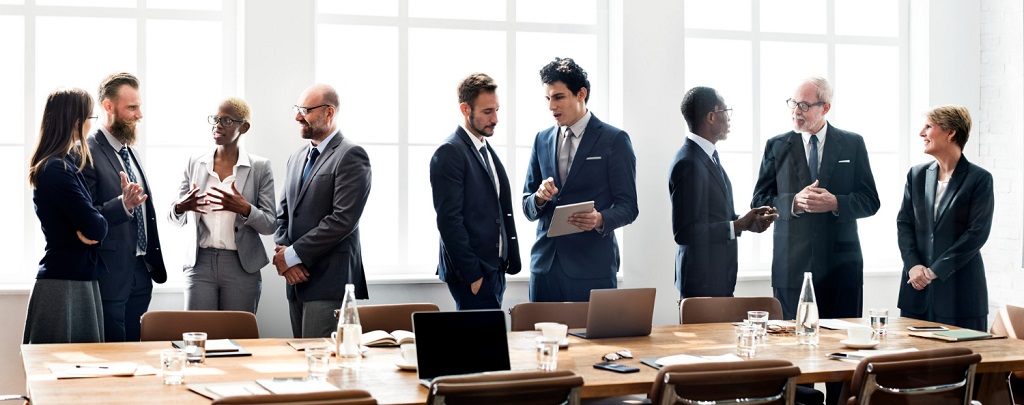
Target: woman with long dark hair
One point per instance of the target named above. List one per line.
(65, 304)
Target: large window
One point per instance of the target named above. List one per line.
(183, 53)
(756, 52)
(397, 65)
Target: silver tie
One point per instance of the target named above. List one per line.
(565, 154)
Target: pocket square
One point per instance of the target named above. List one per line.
(593, 158)
(845, 161)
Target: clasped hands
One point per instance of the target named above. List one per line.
(919, 277)
(293, 275)
(756, 220)
(584, 220)
(814, 199)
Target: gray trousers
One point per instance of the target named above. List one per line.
(313, 319)
(219, 283)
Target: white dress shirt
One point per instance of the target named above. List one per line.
(218, 227)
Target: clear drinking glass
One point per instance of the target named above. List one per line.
(746, 335)
(172, 364)
(879, 320)
(760, 320)
(547, 353)
(318, 361)
(195, 346)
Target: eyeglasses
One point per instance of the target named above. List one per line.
(727, 111)
(223, 121)
(621, 354)
(306, 110)
(802, 105)
(92, 117)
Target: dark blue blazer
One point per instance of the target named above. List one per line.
(603, 170)
(468, 215)
(702, 208)
(64, 206)
(825, 244)
(948, 243)
(117, 250)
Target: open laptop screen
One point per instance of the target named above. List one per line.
(620, 312)
(460, 342)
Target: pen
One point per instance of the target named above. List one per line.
(88, 366)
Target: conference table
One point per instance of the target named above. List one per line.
(379, 375)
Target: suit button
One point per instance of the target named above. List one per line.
(236, 229)
(497, 221)
(497, 244)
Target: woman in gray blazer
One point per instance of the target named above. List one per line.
(945, 219)
(228, 195)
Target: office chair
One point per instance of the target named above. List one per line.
(169, 325)
(507, 388)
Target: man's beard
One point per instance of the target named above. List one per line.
(123, 132)
(312, 132)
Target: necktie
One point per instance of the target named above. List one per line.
(501, 224)
(718, 162)
(313, 154)
(140, 226)
(565, 154)
(812, 161)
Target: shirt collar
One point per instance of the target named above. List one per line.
(477, 143)
(704, 144)
(820, 134)
(243, 158)
(580, 125)
(114, 143)
(323, 145)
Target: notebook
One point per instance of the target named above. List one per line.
(620, 312)
(460, 342)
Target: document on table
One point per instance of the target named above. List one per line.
(837, 324)
(857, 356)
(91, 370)
(560, 219)
(658, 363)
(295, 385)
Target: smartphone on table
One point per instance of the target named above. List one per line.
(616, 367)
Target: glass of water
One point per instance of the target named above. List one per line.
(547, 353)
(172, 364)
(195, 346)
(745, 340)
(318, 361)
(879, 320)
(760, 320)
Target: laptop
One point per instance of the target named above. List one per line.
(620, 312)
(459, 342)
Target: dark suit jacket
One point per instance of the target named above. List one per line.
(64, 206)
(825, 244)
(320, 220)
(948, 243)
(117, 250)
(702, 208)
(603, 170)
(468, 214)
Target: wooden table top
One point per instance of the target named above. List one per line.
(379, 375)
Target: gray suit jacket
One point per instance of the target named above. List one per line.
(255, 182)
(320, 219)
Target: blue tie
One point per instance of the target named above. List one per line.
(313, 154)
(812, 161)
(718, 163)
(140, 226)
(501, 224)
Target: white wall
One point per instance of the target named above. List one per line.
(278, 66)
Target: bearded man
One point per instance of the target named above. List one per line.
(117, 183)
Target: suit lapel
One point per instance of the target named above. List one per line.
(590, 137)
(798, 158)
(711, 167)
(931, 177)
(834, 142)
(555, 133)
(328, 151)
(112, 158)
(955, 181)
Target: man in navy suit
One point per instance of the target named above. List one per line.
(704, 222)
(473, 202)
(819, 178)
(131, 251)
(579, 159)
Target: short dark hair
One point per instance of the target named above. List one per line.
(697, 103)
(566, 70)
(112, 83)
(953, 117)
(474, 84)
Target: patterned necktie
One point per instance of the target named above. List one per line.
(313, 154)
(501, 224)
(565, 155)
(812, 161)
(140, 226)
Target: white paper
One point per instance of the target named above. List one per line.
(295, 385)
(837, 324)
(220, 345)
(690, 359)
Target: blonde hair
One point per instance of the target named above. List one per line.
(953, 118)
(238, 106)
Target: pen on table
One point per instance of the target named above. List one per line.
(88, 366)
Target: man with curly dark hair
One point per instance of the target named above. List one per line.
(579, 159)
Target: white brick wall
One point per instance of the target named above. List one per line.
(1000, 141)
